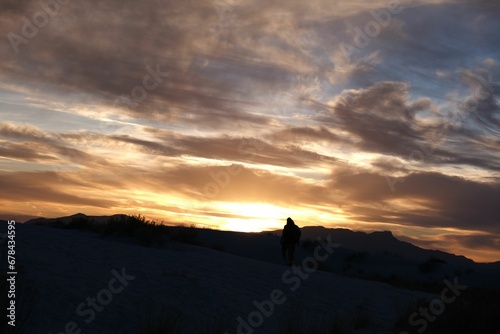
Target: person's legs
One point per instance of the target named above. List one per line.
(290, 251)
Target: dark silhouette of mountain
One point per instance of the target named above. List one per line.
(374, 242)
(382, 242)
(68, 219)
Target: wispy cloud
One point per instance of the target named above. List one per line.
(121, 106)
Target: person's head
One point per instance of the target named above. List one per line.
(289, 221)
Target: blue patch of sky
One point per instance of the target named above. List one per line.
(14, 108)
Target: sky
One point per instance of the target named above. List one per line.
(236, 114)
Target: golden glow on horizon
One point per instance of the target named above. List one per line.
(311, 143)
(259, 216)
(246, 225)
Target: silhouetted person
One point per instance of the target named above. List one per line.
(289, 238)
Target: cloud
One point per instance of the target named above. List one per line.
(422, 199)
(482, 247)
(482, 106)
(479, 241)
(239, 47)
(47, 189)
(23, 152)
(23, 132)
(380, 117)
(195, 90)
(242, 149)
(305, 133)
(28, 138)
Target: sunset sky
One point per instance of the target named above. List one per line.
(235, 114)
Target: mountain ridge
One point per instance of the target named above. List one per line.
(376, 241)
(375, 255)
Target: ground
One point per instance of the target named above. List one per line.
(205, 290)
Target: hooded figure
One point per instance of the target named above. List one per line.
(289, 238)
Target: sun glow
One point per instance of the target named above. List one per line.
(253, 217)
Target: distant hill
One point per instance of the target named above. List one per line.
(375, 242)
(382, 242)
(68, 219)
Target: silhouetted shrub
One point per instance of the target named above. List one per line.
(356, 257)
(187, 235)
(79, 223)
(149, 235)
(58, 223)
(430, 265)
(124, 225)
(84, 223)
(146, 232)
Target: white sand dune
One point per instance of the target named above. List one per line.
(204, 285)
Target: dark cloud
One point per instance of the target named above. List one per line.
(48, 189)
(18, 132)
(15, 7)
(148, 147)
(482, 107)
(439, 200)
(24, 152)
(481, 241)
(380, 117)
(297, 134)
(242, 149)
(263, 88)
(47, 144)
(109, 54)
